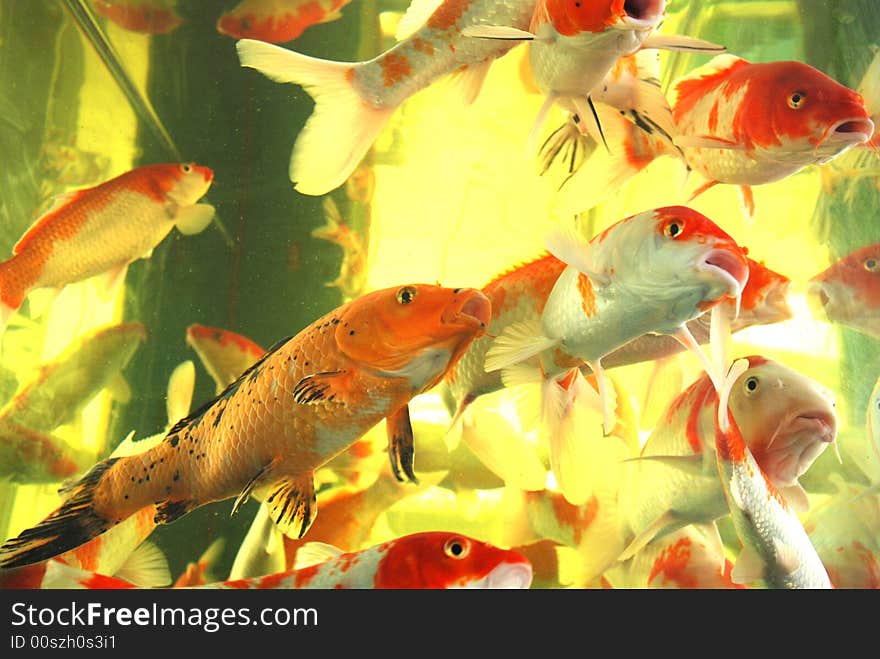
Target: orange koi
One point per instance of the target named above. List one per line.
(355, 100)
(144, 16)
(277, 21)
(427, 560)
(105, 228)
(306, 400)
(848, 291)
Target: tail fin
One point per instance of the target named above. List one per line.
(71, 525)
(343, 124)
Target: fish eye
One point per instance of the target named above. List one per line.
(406, 294)
(456, 548)
(673, 229)
(187, 168)
(796, 99)
(871, 264)
(751, 385)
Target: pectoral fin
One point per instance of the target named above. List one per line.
(315, 553)
(749, 567)
(680, 42)
(796, 497)
(401, 449)
(262, 475)
(689, 464)
(146, 566)
(705, 142)
(653, 530)
(326, 386)
(293, 505)
(501, 32)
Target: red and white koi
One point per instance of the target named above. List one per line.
(744, 123)
(785, 418)
(144, 16)
(105, 228)
(775, 547)
(354, 100)
(277, 21)
(573, 45)
(427, 560)
(306, 400)
(848, 291)
(649, 273)
(224, 354)
(520, 295)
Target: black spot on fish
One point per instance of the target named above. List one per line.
(351, 333)
(173, 440)
(176, 475)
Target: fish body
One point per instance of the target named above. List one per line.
(277, 21)
(104, 228)
(786, 419)
(776, 549)
(520, 294)
(362, 96)
(306, 400)
(428, 560)
(848, 291)
(143, 16)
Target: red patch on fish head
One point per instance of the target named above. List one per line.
(386, 329)
(762, 282)
(792, 101)
(571, 17)
(440, 560)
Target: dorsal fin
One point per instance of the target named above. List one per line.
(59, 202)
(415, 17)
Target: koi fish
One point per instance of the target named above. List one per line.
(306, 400)
(649, 273)
(743, 123)
(520, 295)
(353, 272)
(785, 418)
(573, 45)
(143, 16)
(121, 551)
(775, 547)
(277, 21)
(102, 229)
(197, 573)
(225, 354)
(848, 291)
(428, 560)
(60, 389)
(362, 96)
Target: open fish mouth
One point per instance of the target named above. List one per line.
(505, 576)
(474, 308)
(730, 266)
(857, 130)
(643, 13)
(796, 445)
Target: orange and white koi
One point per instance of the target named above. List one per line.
(277, 21)
(848, 291)
(144, 16)
(775, 547)
(520, 294)
(573, 45)
(354, 100)
(745, 123)
(786, 419)
(306, 400)
(224, 354)
(649, 273)
(105, 228)
(427, 560)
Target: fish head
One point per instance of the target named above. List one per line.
(848, 291)
(786, 419)
(674, 253)
(791, 106)
(764, 297)
(417, 331)
(451, 560)
(182, 183)
(571, 17)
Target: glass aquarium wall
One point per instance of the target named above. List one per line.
(449, 192)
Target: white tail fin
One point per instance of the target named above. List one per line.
(343, 125)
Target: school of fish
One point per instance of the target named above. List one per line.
(504, 398)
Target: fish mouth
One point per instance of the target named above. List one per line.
(822, 301)
(730, 266)
(776, 303)
(643, 13)
(796, 444)
(859, 129)
(505, 576)
(472, 308)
